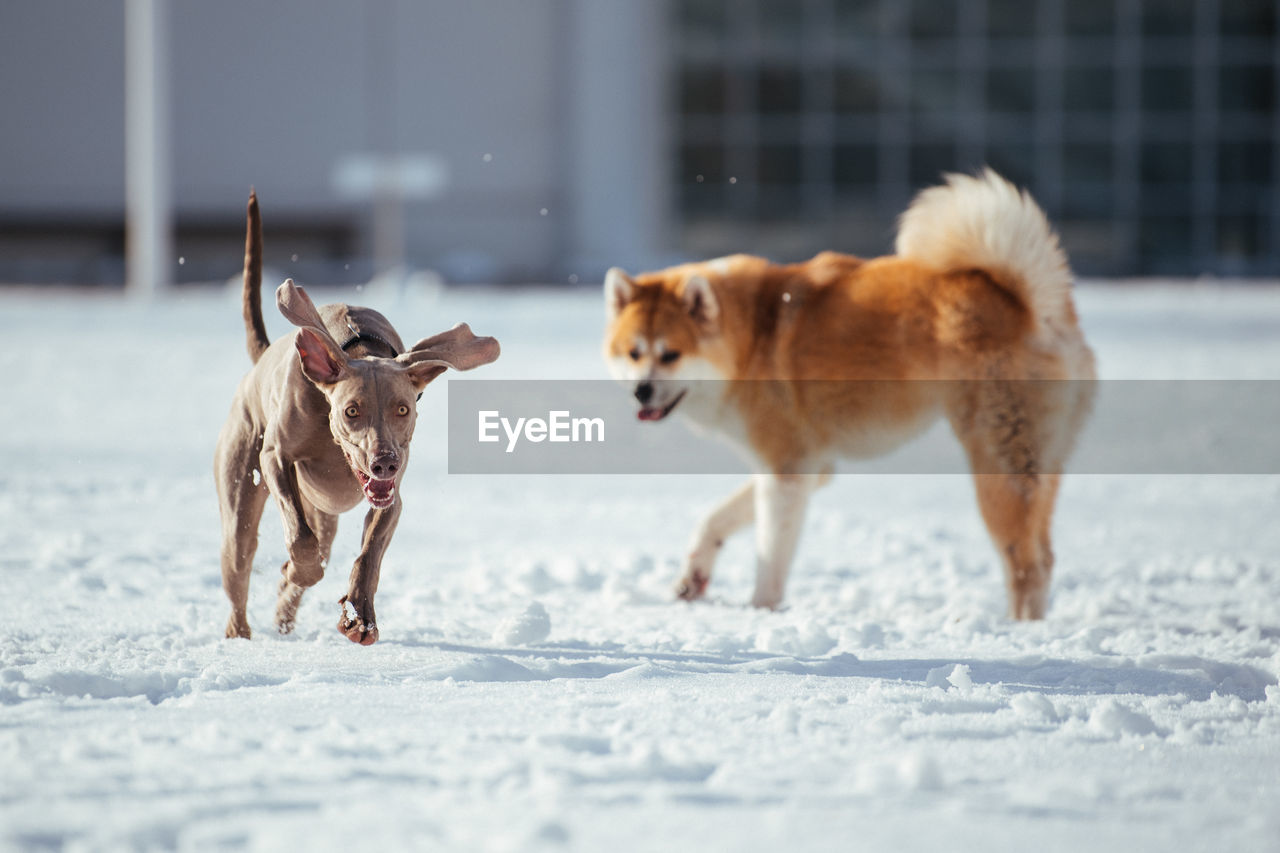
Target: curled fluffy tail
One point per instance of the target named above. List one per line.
(985, 222)
(255, 328)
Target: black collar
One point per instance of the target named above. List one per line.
(365, 337)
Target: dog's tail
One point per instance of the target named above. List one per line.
(985, 222)
(255, 328)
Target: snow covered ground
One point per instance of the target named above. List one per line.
(535, 687)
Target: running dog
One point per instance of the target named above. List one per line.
(976, 302)
(322, 425)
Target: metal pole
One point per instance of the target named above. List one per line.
(380, 98)
(148, 219)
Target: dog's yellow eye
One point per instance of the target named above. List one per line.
(669, 356)
(352, 412)
(634, 354)
(403, 410)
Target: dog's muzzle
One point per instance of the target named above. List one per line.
(380, 493)
(651, 409)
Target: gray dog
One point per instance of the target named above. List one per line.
(321, 425)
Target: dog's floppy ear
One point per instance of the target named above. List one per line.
(619, 289)
(322, 358)
(458, 348)
(322, 361)
(700, 300)
(297, 307)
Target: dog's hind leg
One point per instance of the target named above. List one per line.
(1018, 510)
(736, 512)
(1016, 437)
(241, 497)
(290, 593)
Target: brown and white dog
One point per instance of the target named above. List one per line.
(976, 302)
(322, 425)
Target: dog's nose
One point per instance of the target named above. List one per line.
(644, 392)
(384, 466)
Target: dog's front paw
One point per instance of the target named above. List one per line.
(693, 585)
(357, 622)
(767, 600)
(238, 627)
(1027, 604)
(697, 568)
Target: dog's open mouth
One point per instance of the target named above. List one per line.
(380, 493)
(657, 413)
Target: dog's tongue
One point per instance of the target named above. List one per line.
(380, 490)
(649, 414)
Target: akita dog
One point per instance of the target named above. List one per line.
(972, 319)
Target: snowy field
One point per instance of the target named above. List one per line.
(535, 687)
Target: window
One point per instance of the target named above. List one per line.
(1092, 89)
(1168, 18)
(855, 166)
(856, 18)
(1089, 19)
(703, 90)
(1244, 162)
(1248, 18)
(1011, 18)
(704, 18)
(1166, 162)
(935, 20)
(779, 89)
(779, 164)
(1084, 162)
(929, 161)
(1011, 89)
(1016, 161)
(1166, 88)
(796, 117)
(1247, 88)
(854, 91)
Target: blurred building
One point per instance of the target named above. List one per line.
(577, 134)
(1146, 128)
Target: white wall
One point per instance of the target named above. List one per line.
(273, 94)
